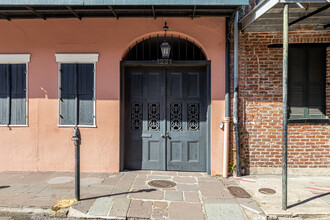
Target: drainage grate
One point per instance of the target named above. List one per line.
(162, 183)
(267, 191)
(238, 192)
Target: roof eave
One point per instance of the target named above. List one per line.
(265, 6)
(125, 2)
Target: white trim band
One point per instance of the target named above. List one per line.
(15, 58)
(77, 57)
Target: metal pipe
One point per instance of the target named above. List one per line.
(285, 104)
(76, 138)
(236, 122)
(226, 121)
(76, 102)
(227, 86)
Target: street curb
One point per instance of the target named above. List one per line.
(77, 214)
(245, 207)
(26, 210)
(253, 215)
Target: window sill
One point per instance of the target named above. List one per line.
(10, 126)
(314, 121)
(79, 126)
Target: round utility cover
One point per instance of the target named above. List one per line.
(267, 191)
(162, 183)
(238, 192)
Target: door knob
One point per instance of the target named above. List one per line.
(162, 136)
(167, 135)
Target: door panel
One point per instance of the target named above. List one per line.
(193, 85)
(174, 84)
(193, 151)
(145, 118)
(176, 151)
(186, 119)
(169, 101)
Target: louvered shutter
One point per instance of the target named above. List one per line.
(297, 82)
(68, 90)
(307, 82)
(18, 94)
(316, 78)
(86, 93)
(4, 93)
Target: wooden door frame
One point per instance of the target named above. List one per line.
(124, 64)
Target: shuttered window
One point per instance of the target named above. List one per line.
(307, 72)
(13, 94)
(76, 94)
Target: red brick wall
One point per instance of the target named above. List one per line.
(328, 81)
(260, 106)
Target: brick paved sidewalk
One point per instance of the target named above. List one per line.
(126, 195)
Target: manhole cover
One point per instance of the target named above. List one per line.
(267, 191)
(238, 192)
(162, 184)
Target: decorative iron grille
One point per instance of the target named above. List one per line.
(193, 116)
(149, 49)
(176, 116)
(153, 116)
(136, 116)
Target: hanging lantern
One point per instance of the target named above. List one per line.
(165, 49)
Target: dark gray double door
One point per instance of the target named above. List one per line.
(166, 125)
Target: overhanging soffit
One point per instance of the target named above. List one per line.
(44, 9)
(267, 16)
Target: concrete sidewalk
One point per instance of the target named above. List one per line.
(308, 196)
(124, 195)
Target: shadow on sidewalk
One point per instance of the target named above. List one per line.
(4, 187)
(116, 194)
(307, 200)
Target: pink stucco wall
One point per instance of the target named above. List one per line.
(43, 146)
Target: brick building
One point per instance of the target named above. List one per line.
(260, 88)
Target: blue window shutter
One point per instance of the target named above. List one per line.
(4, 94)
(86, 93)
(18, 94)
(68, 88)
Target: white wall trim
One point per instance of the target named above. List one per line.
(77, 57)
(15, 58)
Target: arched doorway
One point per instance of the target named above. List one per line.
(149, 49)
(165, 102)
